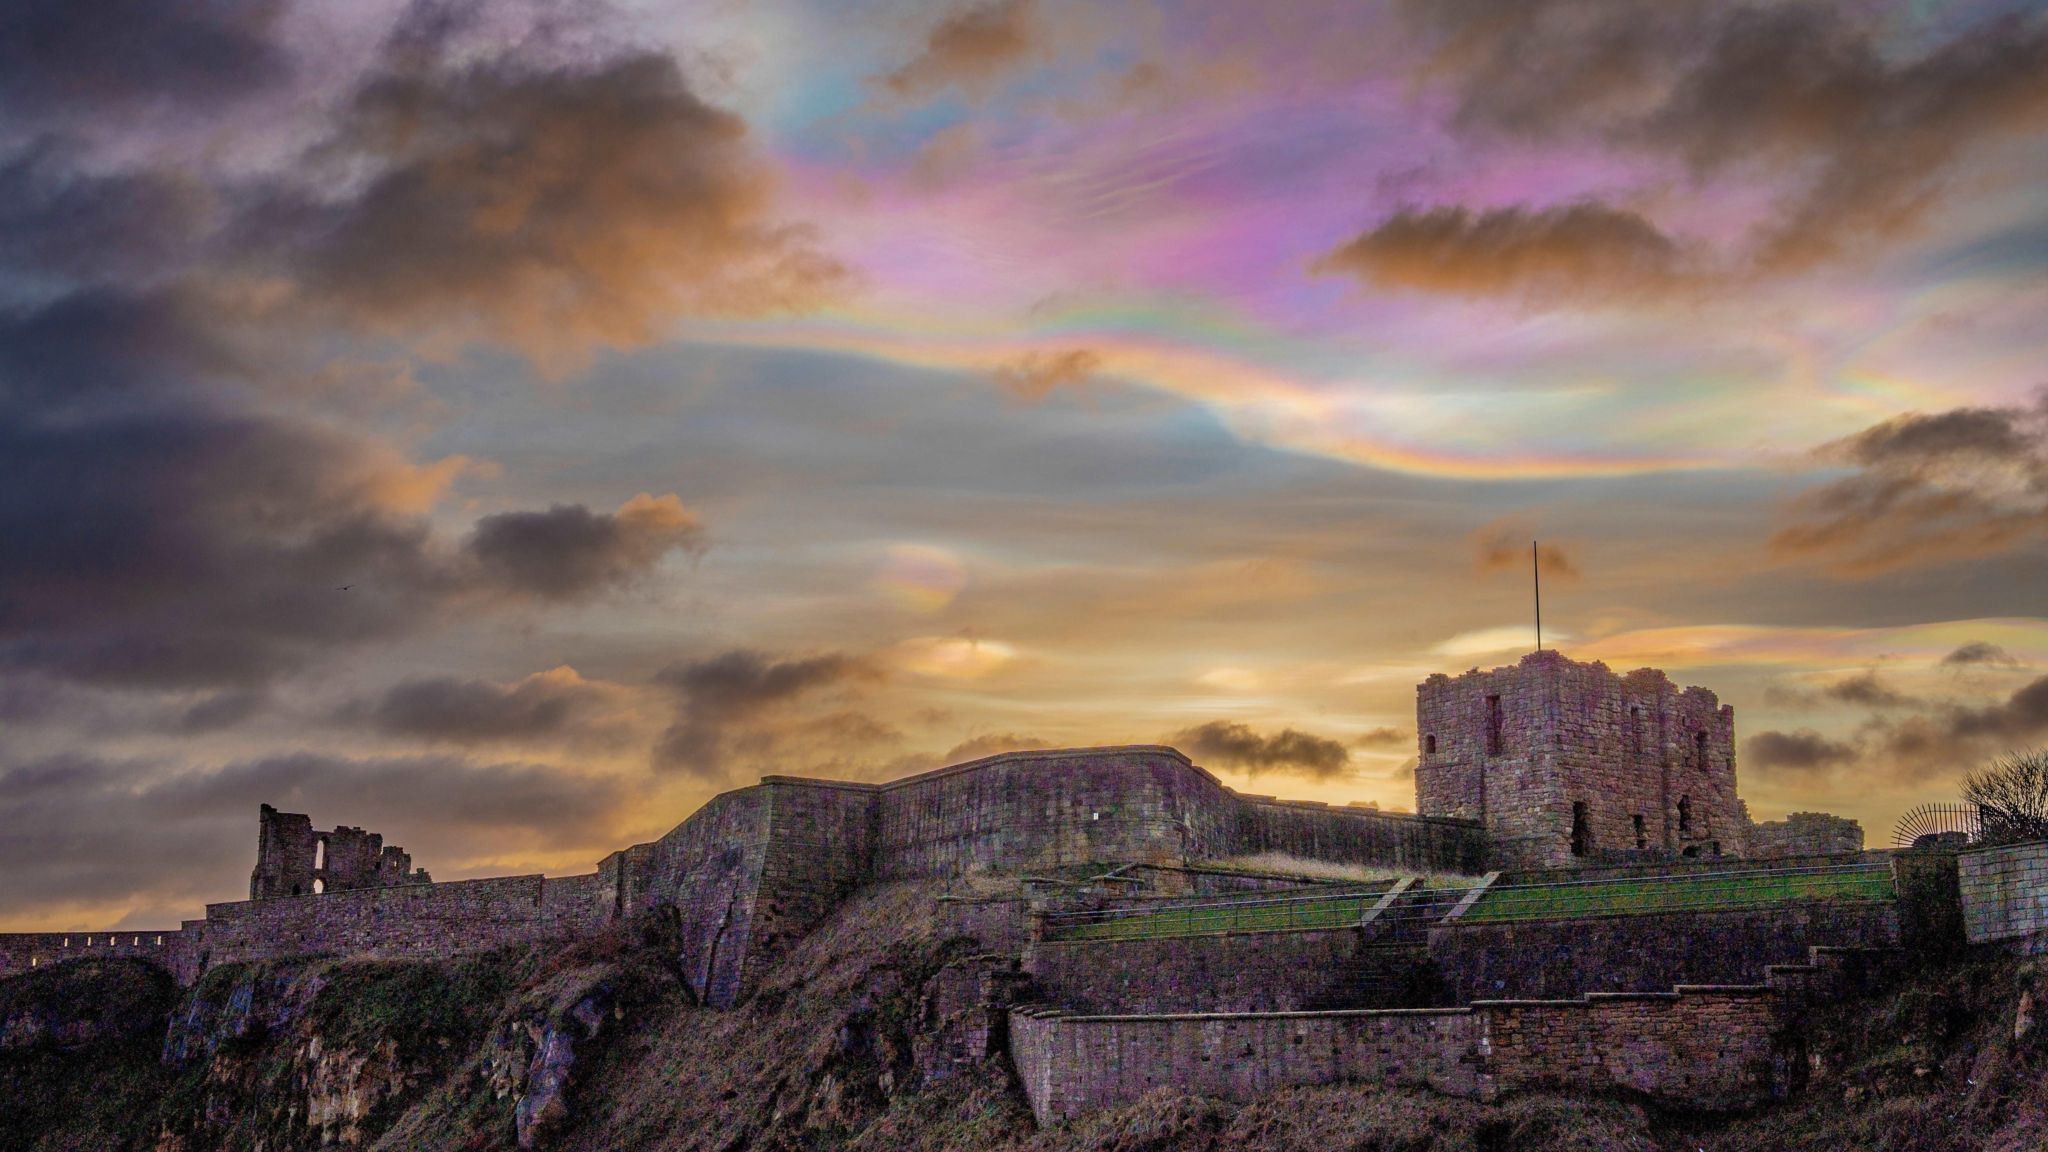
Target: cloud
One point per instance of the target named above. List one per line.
(1925, 489)
(1385, 738)
(221, 710)
(56, 220)
(458, 711)
(990, 744)
(162, 839)
(729, 702)
(970, 49)
(1237, 746)
(1504, 546)
(1802, 751)
(569, 551)
(134, 56)
(1576, 251)
(1979, 652)
(1855, 142)
(555, 207)
(1035, 375)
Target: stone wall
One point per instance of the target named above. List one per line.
(1804, 834)
(1358, 835)
(1024, 810)
(1707, 1048)
(1538, 749)
(1226, 972)
(2005, 893)
(1556, 959)
(421, 920)
(21, 951)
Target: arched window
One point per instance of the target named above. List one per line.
(1582, 834)
(1685, 813)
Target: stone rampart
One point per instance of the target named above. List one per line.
(421, 920)
(755, 868)
(1709, 1048)
(1557, 959)
(2005, 893)
(22, 951)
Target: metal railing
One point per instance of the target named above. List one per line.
(1266, 913)
(1696, 892)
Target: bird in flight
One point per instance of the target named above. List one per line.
(344, 588)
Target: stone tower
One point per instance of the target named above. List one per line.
(1567, 763)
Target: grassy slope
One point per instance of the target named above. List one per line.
(1659, 894)
(99, 1096)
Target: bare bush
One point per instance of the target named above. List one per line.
(2011, 796)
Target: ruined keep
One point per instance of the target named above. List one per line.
(1565, 763)
(292, 859)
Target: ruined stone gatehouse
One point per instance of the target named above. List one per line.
(1568, 763)
(292, 859)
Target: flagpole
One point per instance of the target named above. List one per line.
(1536, 575)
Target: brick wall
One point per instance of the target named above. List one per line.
(1550, 959)
(22, 951)
(1712, 1048)
(2005, 892)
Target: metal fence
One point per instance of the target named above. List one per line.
(1271, 913)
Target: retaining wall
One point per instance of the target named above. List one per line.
(2005, 893)
(1248, 972)
(1705, 1048)
(1551, 959)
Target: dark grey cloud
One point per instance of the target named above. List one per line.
(727, 703)
(83, 829)
(1979, 652)
(221, 710)
(1802, 751)
(59, 221)
(570, 551)
(1859, 140)
(551, 205)
(60, 59)
(1235, 745)
(1925, 489)
(478, 711)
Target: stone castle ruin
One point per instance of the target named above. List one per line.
(294, 860)
(1497, 937)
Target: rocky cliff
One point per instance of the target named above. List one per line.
(861, 1037)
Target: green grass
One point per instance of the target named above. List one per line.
(1243, 916)
(1650, 894)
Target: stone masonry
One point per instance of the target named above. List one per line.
(1566, 763)
(292, 859)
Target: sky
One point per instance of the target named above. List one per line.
(505, 426)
